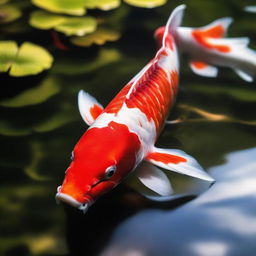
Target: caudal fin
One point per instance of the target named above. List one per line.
(209, 48)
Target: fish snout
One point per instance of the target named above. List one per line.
(65, 198)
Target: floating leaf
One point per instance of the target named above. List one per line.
(104, 5)
(99, 37)
(67, 25)
(29, 59)
(9, 13)
(146, 3)
(36, 95)
(74, 7)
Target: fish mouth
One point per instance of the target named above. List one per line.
(73, 202)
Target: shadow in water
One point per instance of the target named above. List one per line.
(220, 222)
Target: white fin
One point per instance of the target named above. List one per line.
(89, 107)
(177, 161)
(203, 69)
(235, 43)
(173, 22)
(251, 8)
(154, 179)
(244, 76)
(223, 22)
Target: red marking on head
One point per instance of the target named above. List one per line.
(98, 149)
(199, 64)
(95, 111)
(202, 37)
(166, 158)
(159, 34)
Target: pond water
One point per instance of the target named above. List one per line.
(37, 139)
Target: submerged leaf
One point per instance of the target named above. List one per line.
(67, 25)
(9, 13)
(7, 129)
(74, 7)
(36, 95)
(99, 37)
(105, 57)
(29, 59)
(3, 1)
(146, 3)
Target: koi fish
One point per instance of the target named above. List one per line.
(123, 134)
(208, 48)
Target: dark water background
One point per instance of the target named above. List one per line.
(36, 141)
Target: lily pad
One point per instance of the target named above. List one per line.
(99, 37)
(74, 7)
(67, 25)
(104, 5)
(9, 13)
(36, 95)
(29, 59)
(146, 3)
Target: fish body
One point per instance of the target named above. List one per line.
(122, 135)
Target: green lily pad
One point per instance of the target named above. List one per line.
(98, 37)
(104, 5)
(74, 7)
(146, 3)
(67, 25)
(9, 13)
(29, 59)
(36, 95)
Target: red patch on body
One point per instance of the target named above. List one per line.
(95, 111)
(202, 37)
(159, 34)
(165, 158)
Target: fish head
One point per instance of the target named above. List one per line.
(100, 160)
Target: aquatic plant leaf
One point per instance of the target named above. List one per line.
(99, 37)
(105, 57)
(55, 121)
(77, 26)
(67, 25)
(104, 5)
(9, 13)
(74, 7)
(29, 59)
(32, 168)
(7, 129)
(8, 52)
(35, 95)
(240, 93)
(45, 20)
(146, 3)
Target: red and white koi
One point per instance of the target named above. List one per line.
(123, 134)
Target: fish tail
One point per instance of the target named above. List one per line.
(208, 48)
(164, 34)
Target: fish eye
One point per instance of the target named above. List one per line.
(110, 171)
(72, 156)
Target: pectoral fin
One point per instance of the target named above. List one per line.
(89, 107)
(203, 69)
(154, 179)
(177, 161)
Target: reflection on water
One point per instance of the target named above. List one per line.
(219, 222)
